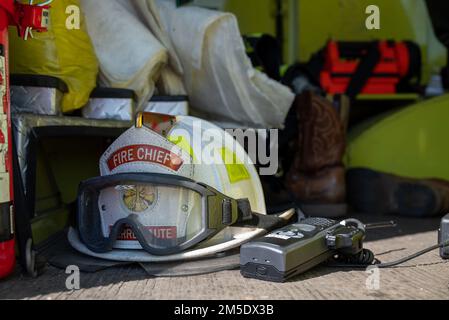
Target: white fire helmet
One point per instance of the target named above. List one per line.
(186, 148)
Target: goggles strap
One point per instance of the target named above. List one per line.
(266, 222)
(244, 210)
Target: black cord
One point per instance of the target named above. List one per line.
(366, 258)
(411, 257)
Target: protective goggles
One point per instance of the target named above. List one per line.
(164, 214)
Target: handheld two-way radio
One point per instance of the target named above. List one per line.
(296, 248)
(443, 237)
(299, 247)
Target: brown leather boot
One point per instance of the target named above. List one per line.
(370, 191)
(317, 176)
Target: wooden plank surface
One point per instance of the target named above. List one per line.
(424, 278)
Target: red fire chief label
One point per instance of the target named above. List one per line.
(145, 153)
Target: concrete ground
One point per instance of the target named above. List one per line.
(424, 278)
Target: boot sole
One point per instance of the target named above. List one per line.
(378, 193)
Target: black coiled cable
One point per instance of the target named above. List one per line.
(361, 260)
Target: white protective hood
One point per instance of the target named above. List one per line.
(218, 75)
(130, 56)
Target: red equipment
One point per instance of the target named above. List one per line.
(390, 64)
(24, 17)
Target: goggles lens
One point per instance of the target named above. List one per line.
(167, 216)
